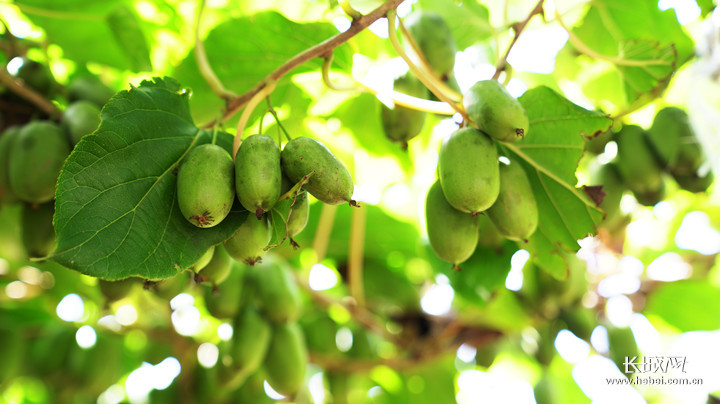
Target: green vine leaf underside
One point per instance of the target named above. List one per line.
(550, 155)
(107, 32)
(648, 43)
(116, 212)
(244, 50)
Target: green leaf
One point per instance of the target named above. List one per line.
(282, 211)
(690, 305)
(649, 44)
(242, 51)
(550, 154)
(107, 32)
(116, 212)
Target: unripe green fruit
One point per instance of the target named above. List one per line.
(693, 182)
(91, 89)
(38, 233)
(36, 158)
(515, 213)
(673, 139)
(300, 211)
(37, 76)
(6, 140)
(637, 165)
(495, 111)
(116, 290)
(434, 39)
(286, 359)
(468, 170)
(253, 390)
(320, 331)
(218, 268)
(278, 294)
(331, 183)
(248, 242)
(488, 234)
(168, 288)
(251, 340)
(453, 234)
(258, 175)
(608, 176)
(206, 185)
(79, 119)
(596, 145)
(401, 124)
(225, 300)
(204, 260)
(12, 352)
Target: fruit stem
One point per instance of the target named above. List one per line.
(502, 64)
(206, 70)
(277, 119)
(392, 35)
(327, 64)
(349, 10)
(249, 108)
(425, 66)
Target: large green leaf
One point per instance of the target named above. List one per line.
(116, 212)
(242, 51)
(550, 154)
(687, 305)
(646, 46)
(107, 32)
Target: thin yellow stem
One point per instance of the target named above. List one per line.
(392, 35)
(327, 64)
(254, 101)
(349, 10)
(324, 228)
(355, 255)
(204, 65)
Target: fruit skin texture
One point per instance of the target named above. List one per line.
(6, 139)
(453, 234)
(434, 39)
(36, 158)
(331, 183)
(251, 340)
(469, 170)
(515, 213)
(286, 359)
(402, 124)
(637, 166)
(206, 185)
(80, 119)
(495, 111)
(258, 175)
(247, 243)
(91, 89)
(278, 294)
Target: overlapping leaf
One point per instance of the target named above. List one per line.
(646, 46)
(550, 154)
(116, 212)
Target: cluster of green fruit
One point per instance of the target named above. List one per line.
(473, 180)
(643, 157)
(208, 181)
(33, 153)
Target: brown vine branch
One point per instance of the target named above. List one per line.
(538, 9)
(17, 87)
(319, 50)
